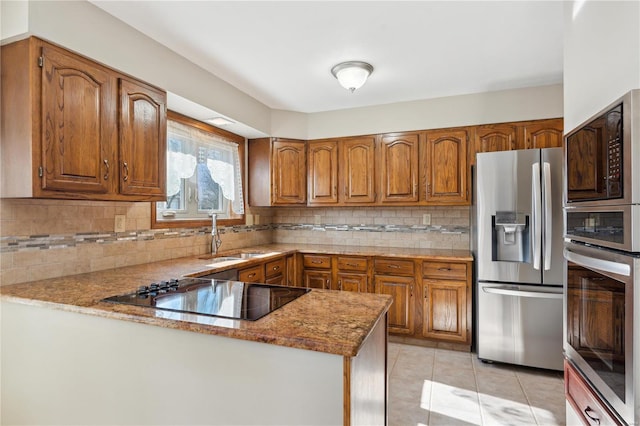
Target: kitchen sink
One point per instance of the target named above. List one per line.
(250, 255)
(223, 259)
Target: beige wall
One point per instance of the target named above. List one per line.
(601, 56)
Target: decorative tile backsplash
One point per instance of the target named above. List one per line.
(42, 239)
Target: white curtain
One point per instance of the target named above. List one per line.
(179, 166)
(225, 172)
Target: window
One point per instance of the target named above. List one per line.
(204, 175)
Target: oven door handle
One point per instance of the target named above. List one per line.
(597, 264)
(522, 293)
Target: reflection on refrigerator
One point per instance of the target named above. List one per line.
(518, 250)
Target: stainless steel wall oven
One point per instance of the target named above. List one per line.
(602, 249)
(602, 290)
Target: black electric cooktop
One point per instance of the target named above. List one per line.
(216, 298)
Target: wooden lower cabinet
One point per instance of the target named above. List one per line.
(584, 400)
(317, 279)
(401, 313)
(444, 308)
(348, 281)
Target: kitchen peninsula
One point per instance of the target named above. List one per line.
(70, 358)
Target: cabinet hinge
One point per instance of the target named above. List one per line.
(40, 172)
(41, 61)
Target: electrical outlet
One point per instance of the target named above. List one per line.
(426, 219)
(120, 224)
(317, 219)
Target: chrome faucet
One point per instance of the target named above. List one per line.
(215, 235)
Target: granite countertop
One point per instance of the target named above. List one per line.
(322, 320)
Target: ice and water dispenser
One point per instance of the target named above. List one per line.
(510, 237)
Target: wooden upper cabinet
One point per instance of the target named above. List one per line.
(357, 170)
(277, 172)
(493, 137)
(398, 167)
(322, 172)
(289, 172)
(69, 124)
(143, 139)
(445, 167)
(542, 134)
(78, 139)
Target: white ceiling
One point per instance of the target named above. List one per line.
(281, 53)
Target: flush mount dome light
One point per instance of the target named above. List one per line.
(219, 121)
(352, 74)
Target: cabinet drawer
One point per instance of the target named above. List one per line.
(275, 267)
(444, 270)
(254, 274)
(358, 264)
(316, 261)
(394, 267)
(586, 404)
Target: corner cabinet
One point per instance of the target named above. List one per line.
(83, 130)
(277, 172)
(446, 180)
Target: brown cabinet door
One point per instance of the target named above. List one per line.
(399, 167)
(494, 137)
(276, 280)
(446, 167)
(79, 128)
(543, 134)
(584, 400)
(352, 282)
(291, 276)
(445, 310)
(401, 313)
(323, 172)
(289, 172)
(317, 279)
(357, 170)
(143, 140)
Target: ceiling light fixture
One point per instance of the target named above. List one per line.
(352, 74)
(219, 121)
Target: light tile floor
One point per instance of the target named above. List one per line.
(431, 387)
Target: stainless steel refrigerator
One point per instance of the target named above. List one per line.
(517, 237)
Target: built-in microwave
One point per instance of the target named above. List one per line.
(602, 156)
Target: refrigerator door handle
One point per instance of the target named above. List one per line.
(597, 264)
(536, 213)
(547, 216)
(519, 293)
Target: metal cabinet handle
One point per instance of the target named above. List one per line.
(275, 268)
(106, 173)
(444, 269)
(126, 171)
(393, 266)
(340, 284)
(352, 264)
(316, 262)
(588, 410)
